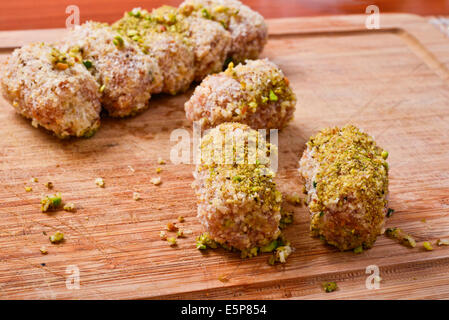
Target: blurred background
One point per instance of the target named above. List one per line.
(39, 14)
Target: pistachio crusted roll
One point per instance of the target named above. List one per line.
(126, 76)
(346, 179)
(256, 93)
(248, 30)
(238, 203)
(158, 40)
(49, 87)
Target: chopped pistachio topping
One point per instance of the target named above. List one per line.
(51, 202)
(286, 218)
(270, 247)
(69, 207)
(180, 233)
(119, 42)
(273, 96)
(88, 64)
(384, 155)
(60, 60)
(100, 182)
(57, 237)
(330, 286)
(427, 245)
(102, 88)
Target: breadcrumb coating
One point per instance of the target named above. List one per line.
(48, 87)
(256, 93)
(248, 29)
(346, 176)
(238, 203)
(126, 76)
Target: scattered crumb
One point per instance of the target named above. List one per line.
(163, 235)
(136, 196)
(427, 245)
(181, 219)
(158, 170)
(43, 250)
(423, 220)
(180, 234)
(404, 238)
(160, 160)
(172, 241)
(57, 237)
(34, 180)
(99, 182)
(51, 202)
(390, 212)
(330, 286)
(223, 278)
(442, 242)
(49, 185)
(70, 207)
(156, 181)
(28, 189)
(171, 227)
(294, 199)
(131, 169)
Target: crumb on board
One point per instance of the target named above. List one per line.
(34, 180)
(171, 227)
(57, 237)
(160, 161)
(427, 245)
(70, 207)
(51, 202)
(28, 189)
(442, 242)
(158, 170)
(398, 234)
(330, 286)
(99, 182)
(223, 278)
(163, 235)
(181, 219)
(172, 241)
(156, 181)
(390, 212)
(43, 250)
(180, 233)
(49, 185)
(136, 196)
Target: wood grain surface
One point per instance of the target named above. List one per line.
(32, 14)
(392, 82)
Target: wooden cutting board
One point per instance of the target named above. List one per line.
(392, 82)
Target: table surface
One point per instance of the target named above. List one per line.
(33, 14)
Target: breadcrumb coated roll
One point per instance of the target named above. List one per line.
(126, 76)
(47, 86)
(169, 48)
(238, 203)
(346, 178)
(248, 30)
(256, 93)
(208, 40)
